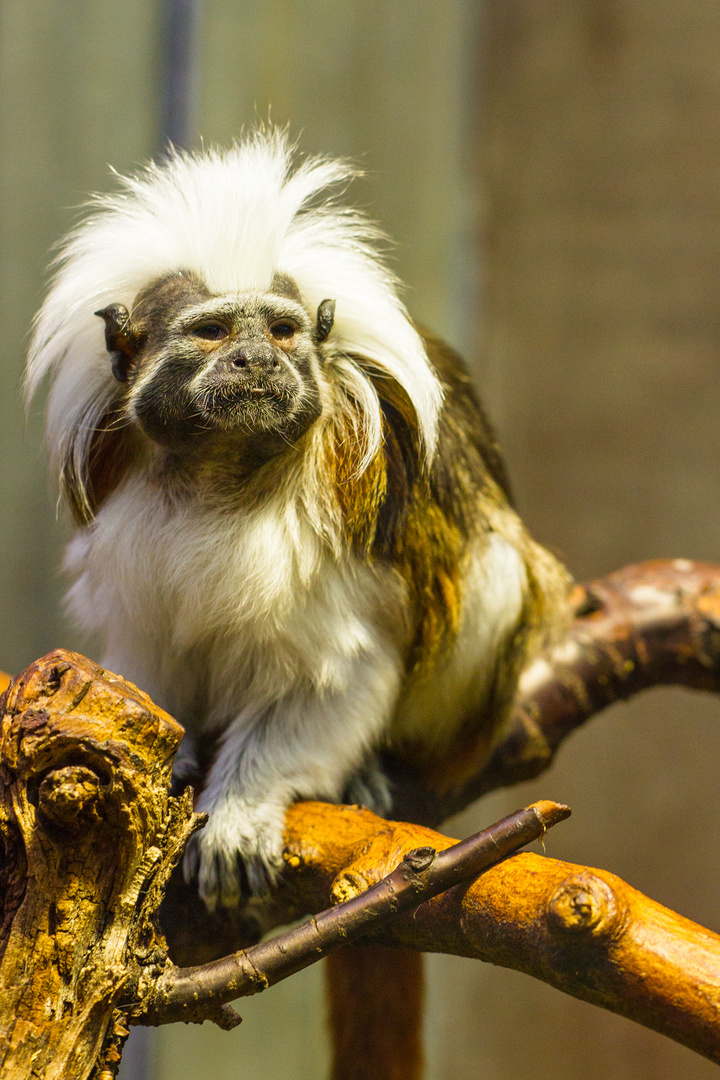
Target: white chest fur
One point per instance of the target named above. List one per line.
(256, 623)
(212, 611)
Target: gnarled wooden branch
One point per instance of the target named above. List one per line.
(362, 908)
(583, 931)
(85, 755)
(89, 838)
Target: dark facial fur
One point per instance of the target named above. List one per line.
(239, 367)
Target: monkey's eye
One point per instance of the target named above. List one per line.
(283, 329)
(210, 331)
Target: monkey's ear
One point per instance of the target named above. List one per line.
(121, 339)
(325, 320)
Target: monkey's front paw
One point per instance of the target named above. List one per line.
(237, 854)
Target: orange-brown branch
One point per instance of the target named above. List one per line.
(89, 835)
(185, 993)
(584, 931)
(581, 930)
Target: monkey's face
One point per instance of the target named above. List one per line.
(243, 368)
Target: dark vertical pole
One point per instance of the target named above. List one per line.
(180, 48)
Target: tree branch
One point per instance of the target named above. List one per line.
(649, 624)
(83, 752)
(88, 838)
(581, 930)
(185, 994)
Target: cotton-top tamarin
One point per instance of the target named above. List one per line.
(293, 524)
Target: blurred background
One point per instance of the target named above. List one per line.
(550, 173)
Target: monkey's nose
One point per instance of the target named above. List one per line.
(254, 358)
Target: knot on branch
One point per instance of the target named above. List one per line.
(420, 859)
(69, 797)
(585, 905)
(347, 885)
(413, 868)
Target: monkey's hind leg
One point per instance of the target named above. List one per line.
(375, 1011)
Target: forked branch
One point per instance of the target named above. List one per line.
(362, 908)
(91, 836)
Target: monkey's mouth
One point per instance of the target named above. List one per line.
(246, 402)
(218, 398)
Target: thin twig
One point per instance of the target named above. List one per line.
(194, 994)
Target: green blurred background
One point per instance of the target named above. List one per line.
(550, 173)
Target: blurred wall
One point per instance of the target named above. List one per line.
(77, 86)
(572, 152)
(600, 193)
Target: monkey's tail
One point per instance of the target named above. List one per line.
(375, 1011)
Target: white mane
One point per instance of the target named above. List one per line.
(235, 217)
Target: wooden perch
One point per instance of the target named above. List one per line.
(656, 623)
(583, 931)
(362, 907)
(91, 836)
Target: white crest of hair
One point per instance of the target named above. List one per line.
(235, 217)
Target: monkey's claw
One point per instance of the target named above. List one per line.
(237, 855)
